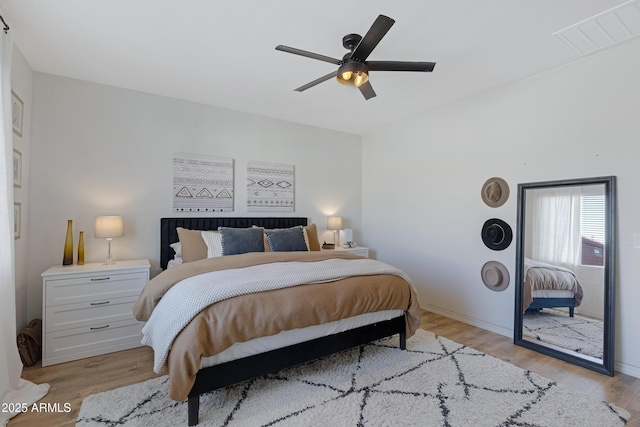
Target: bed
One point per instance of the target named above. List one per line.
(253, 334)
(550, 286)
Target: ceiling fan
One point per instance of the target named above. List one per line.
(353, 68)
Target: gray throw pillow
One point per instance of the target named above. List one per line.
(241, 240)
(288, 239)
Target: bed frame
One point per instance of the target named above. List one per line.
(237, 371)
(540, 303)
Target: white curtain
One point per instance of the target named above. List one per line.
(13, 389)
(556, 225)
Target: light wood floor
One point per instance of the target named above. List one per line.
(71, 382)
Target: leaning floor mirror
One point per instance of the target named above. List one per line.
(565, 270)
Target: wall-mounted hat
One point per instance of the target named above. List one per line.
(495, 192)
(495, 276)
(496, 234)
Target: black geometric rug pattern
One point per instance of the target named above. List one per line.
(435, 382)
(580, 334)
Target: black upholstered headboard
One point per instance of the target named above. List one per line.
(169, 235)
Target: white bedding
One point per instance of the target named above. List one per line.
(552, 293)
(296, 336)
(190, 296)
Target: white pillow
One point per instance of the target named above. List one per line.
(177, 248)
(173, 262)
(306, 237)
(213, 240)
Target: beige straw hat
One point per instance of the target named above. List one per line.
(495, 192)
(495, 276)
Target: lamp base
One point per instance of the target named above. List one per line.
(109, 259)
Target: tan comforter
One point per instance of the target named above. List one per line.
(539, 275)
(252, 316)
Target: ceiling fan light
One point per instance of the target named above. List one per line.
(353, 73)
(360, 78)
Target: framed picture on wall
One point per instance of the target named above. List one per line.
(17, 168)
(17, 220)
(17, 113)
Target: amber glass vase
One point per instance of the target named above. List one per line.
(81, 248)
(68, 245)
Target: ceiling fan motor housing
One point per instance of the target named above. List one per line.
(350, 41)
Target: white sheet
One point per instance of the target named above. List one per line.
(552, 293)
(296, 336)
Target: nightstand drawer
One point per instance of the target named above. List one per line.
(358, 250)
(72, 344)
(96, 287)
(69, 316)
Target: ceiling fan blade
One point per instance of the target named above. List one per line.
(317, 81)
(380, 26)
(367, 90)
(309, 54)
(400, 66)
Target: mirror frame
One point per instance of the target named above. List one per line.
(607, 365)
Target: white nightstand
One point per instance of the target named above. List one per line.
(87, 309)
(358, 250)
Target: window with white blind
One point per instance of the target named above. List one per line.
(592, 230)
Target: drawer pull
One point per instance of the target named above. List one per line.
(100, 303)
(100, 327)
(99, 279)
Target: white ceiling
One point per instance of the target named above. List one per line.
(222, 53)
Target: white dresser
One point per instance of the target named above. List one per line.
(87, 309)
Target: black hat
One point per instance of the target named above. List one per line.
(496, 234)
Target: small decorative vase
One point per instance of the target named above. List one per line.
(81, 249)
(68, 245)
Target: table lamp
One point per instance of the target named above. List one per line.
(109, 227)
(334, 223)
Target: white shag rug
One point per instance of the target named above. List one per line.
(578, 333)
(435, 382)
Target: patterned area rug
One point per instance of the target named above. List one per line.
(580, 334)
(435, 382)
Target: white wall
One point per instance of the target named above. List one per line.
(422, 178)
(21, 84)
(99, 150)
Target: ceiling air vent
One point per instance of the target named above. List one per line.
(604, 30)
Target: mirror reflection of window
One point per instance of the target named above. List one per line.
(592, 230)
(568, 226)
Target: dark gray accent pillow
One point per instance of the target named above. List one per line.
(287, 239)
(241, 240)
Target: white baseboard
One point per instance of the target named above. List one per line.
(469, 321)
(625, 368)
(621, 367)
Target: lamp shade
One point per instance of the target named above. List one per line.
(109, 226)
(334, 223)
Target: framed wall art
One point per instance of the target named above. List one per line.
(17, 168)
(17, 220)
(270, 186)
(202, 183)
(17, 113)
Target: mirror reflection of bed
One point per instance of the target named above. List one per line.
(563, 233)
(561, 313)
